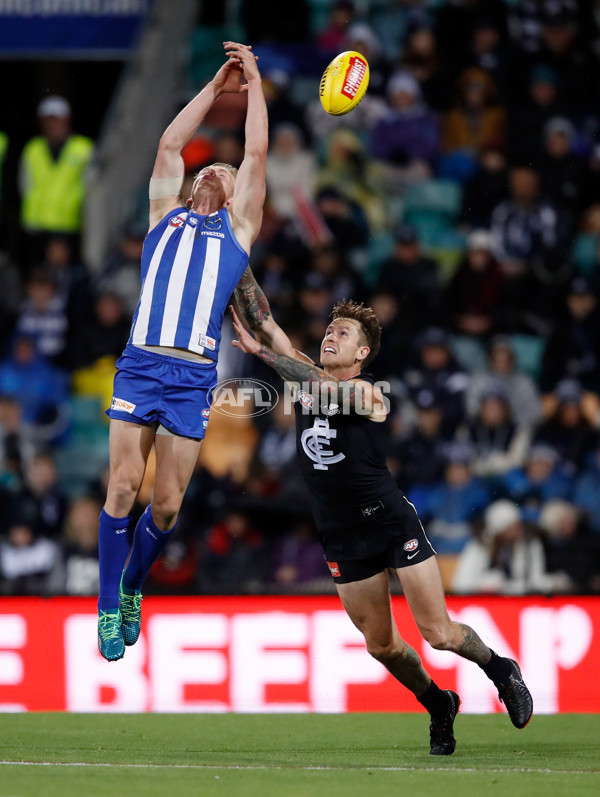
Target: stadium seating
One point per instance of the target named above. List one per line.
(432, 206)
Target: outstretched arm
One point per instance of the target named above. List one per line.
(254, 307)
(351, 396)
(250, 185)
(169, 170)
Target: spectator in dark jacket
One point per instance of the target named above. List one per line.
(436, 369)
(532, 236)
(573, 348)
(568, 429)
(528, 118)
(104, 334)
(419, 459)
(486, 189)
(41, 503)
(562, 171)
(475, 289)
(413, 278)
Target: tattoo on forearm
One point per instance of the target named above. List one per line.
(472, 647)
(252, 301)
(292, 370)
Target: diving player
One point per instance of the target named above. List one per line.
(193, 257)
(365, 524)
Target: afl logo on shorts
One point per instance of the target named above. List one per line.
(411, 545)
(176, 222)
(334, 568)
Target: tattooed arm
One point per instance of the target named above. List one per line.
(352, 395)
(254, 307)
(252, 302)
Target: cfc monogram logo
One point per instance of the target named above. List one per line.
(314, 441)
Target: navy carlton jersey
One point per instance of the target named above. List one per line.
(343, 462)
(190, 267)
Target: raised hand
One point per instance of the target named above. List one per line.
(228, 79)
(245, 341)
(245, 58)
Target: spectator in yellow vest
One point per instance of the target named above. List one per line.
(52, 178)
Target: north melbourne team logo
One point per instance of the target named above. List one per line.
(316, 442)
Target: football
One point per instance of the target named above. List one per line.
(344, 83)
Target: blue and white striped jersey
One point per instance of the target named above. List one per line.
(190, 267)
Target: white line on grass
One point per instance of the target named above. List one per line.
(494, 770)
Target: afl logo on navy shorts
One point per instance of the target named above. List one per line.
(411, 545)
(176, 222)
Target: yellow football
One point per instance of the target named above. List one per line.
(344, 83)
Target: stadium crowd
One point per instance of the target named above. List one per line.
(460, 199)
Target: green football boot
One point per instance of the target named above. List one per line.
(110, 638)
(130, 607)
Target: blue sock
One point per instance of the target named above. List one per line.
(148, 543)
(113, 546)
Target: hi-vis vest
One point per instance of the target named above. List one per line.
(53, 190)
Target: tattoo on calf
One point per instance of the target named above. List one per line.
(471, 647)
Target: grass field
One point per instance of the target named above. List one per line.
(148, 755)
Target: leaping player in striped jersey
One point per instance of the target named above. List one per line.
(193, 257)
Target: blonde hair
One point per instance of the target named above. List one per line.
(227, 166)
(231, 169)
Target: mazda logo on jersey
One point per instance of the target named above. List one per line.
(213, 222)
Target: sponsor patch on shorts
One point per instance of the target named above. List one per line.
(411, 545)
(122, 405)
(335, 570)
(205, 413)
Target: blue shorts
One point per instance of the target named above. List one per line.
(154, 388)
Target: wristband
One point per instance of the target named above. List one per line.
(161, 187)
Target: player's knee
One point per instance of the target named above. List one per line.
(382, 651)
(439, 637)
(122, 489)
(165, 511)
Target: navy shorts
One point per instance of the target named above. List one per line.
(399, 540)
(154, 388)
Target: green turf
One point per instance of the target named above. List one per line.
(147, 755)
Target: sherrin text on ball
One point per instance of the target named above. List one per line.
(344, 83)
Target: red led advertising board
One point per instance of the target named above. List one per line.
(283, 654)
